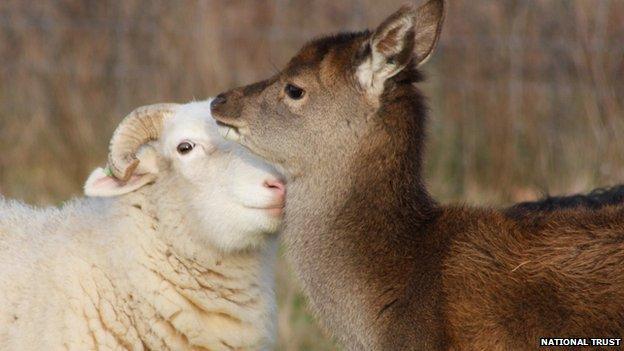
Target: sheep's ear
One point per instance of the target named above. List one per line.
(102, 184)
(408, 34)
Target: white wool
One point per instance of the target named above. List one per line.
(179, 264)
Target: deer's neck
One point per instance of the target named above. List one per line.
(352, 230)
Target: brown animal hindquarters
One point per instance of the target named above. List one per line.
(509, 282)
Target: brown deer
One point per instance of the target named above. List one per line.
(385, 266)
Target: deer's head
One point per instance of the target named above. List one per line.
(333, 92)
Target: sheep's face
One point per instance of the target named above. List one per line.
(233, 199)
(237, 197)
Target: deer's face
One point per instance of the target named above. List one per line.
(326, 98)
(313, 103)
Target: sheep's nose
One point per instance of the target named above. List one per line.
(278, 189)
(218, 100)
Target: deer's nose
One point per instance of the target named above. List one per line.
(219, 100)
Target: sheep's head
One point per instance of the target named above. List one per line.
(235, 198)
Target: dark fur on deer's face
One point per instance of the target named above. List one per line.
(327, 98)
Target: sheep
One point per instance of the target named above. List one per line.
(172, 249)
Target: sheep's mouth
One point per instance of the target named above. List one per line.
(275, 211)
(274, 207)
(229, 132)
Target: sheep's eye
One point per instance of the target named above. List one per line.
(185, 147)
(294, 92)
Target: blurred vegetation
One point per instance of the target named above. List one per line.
(526, 96)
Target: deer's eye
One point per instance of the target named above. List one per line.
(293, 91)
(185, 147)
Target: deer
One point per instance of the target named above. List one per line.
(384, 265)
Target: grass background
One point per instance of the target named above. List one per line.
(526, 96)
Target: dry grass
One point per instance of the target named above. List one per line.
(526, 96)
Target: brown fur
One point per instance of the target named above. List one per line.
(385, 266)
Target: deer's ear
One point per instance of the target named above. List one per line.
(408, 34)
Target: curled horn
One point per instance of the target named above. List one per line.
(140, 126)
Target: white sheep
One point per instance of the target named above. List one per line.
(179, 255)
